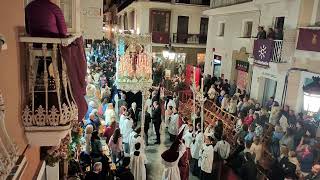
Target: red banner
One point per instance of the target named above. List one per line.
(190, 70)
(309, 40)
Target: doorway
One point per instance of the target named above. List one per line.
(203, 30)
(270, 88)
(182, 29)
(216, 64)
(279, 23)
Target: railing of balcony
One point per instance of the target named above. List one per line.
(223, 3)
(189, 38)
(277, 52)
(196, 2)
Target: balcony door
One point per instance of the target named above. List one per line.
(279, 23)
(203, 30)
(182, 29)
(160, 26)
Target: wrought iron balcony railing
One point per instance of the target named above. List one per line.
(189, 38)
(50, 107)
(223, 3)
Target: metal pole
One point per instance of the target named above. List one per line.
(142, 113)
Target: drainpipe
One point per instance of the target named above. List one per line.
(284, 93)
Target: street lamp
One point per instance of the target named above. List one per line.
(311, 96)
(168, 52)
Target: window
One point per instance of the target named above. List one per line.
(66, 7)
(160, 21)
(247, 29)
(132, 20)
(221, 28)
(125, 21)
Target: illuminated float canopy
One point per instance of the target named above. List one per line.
(134, 62)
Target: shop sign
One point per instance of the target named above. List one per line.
(309, 40)
(268, 75)
(242, 66)
(263, 51)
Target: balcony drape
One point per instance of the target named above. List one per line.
(74, 56)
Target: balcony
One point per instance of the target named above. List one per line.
(195, 2)
(189, 38)
(50, 108)
(224, 3)
(160, 37)
(265, 51)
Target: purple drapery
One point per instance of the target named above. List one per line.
(74, 56)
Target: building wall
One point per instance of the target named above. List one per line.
(11, 61)
(142, 15)
(224, 46)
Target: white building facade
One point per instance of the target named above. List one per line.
(232, 27)
(181, 24)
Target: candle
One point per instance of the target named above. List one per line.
(202, 85)
(194, 75)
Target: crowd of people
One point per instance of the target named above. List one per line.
(272, 34)
(291, 139)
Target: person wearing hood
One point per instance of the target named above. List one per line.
(184, 164)
(170, 159)
(138, 162)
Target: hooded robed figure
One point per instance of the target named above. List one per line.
(170, 159)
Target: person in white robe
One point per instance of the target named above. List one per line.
(170, 159)
(173, 125)
(212, 92)
(123, 117)
(127, 129)
(187, 136)
(206, 157)
(223, 148)
(195, 149)
(135, 138)
(209, 131)
(138, 162)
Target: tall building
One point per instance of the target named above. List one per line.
(233, 48)
(178, 23)
(21, 140)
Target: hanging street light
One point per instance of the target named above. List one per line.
(311, 96)
(168, 52)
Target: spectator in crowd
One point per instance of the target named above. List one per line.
(271, 34)
(96, 173)
(261, 33)
(124, 172)
(256, 148)
(96, 146)
(248, 170)
(115, 145)
(314, 174)
(278, 34)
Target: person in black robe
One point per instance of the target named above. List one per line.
(248, 170)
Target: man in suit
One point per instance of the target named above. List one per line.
(156, 119)
(134, 112)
